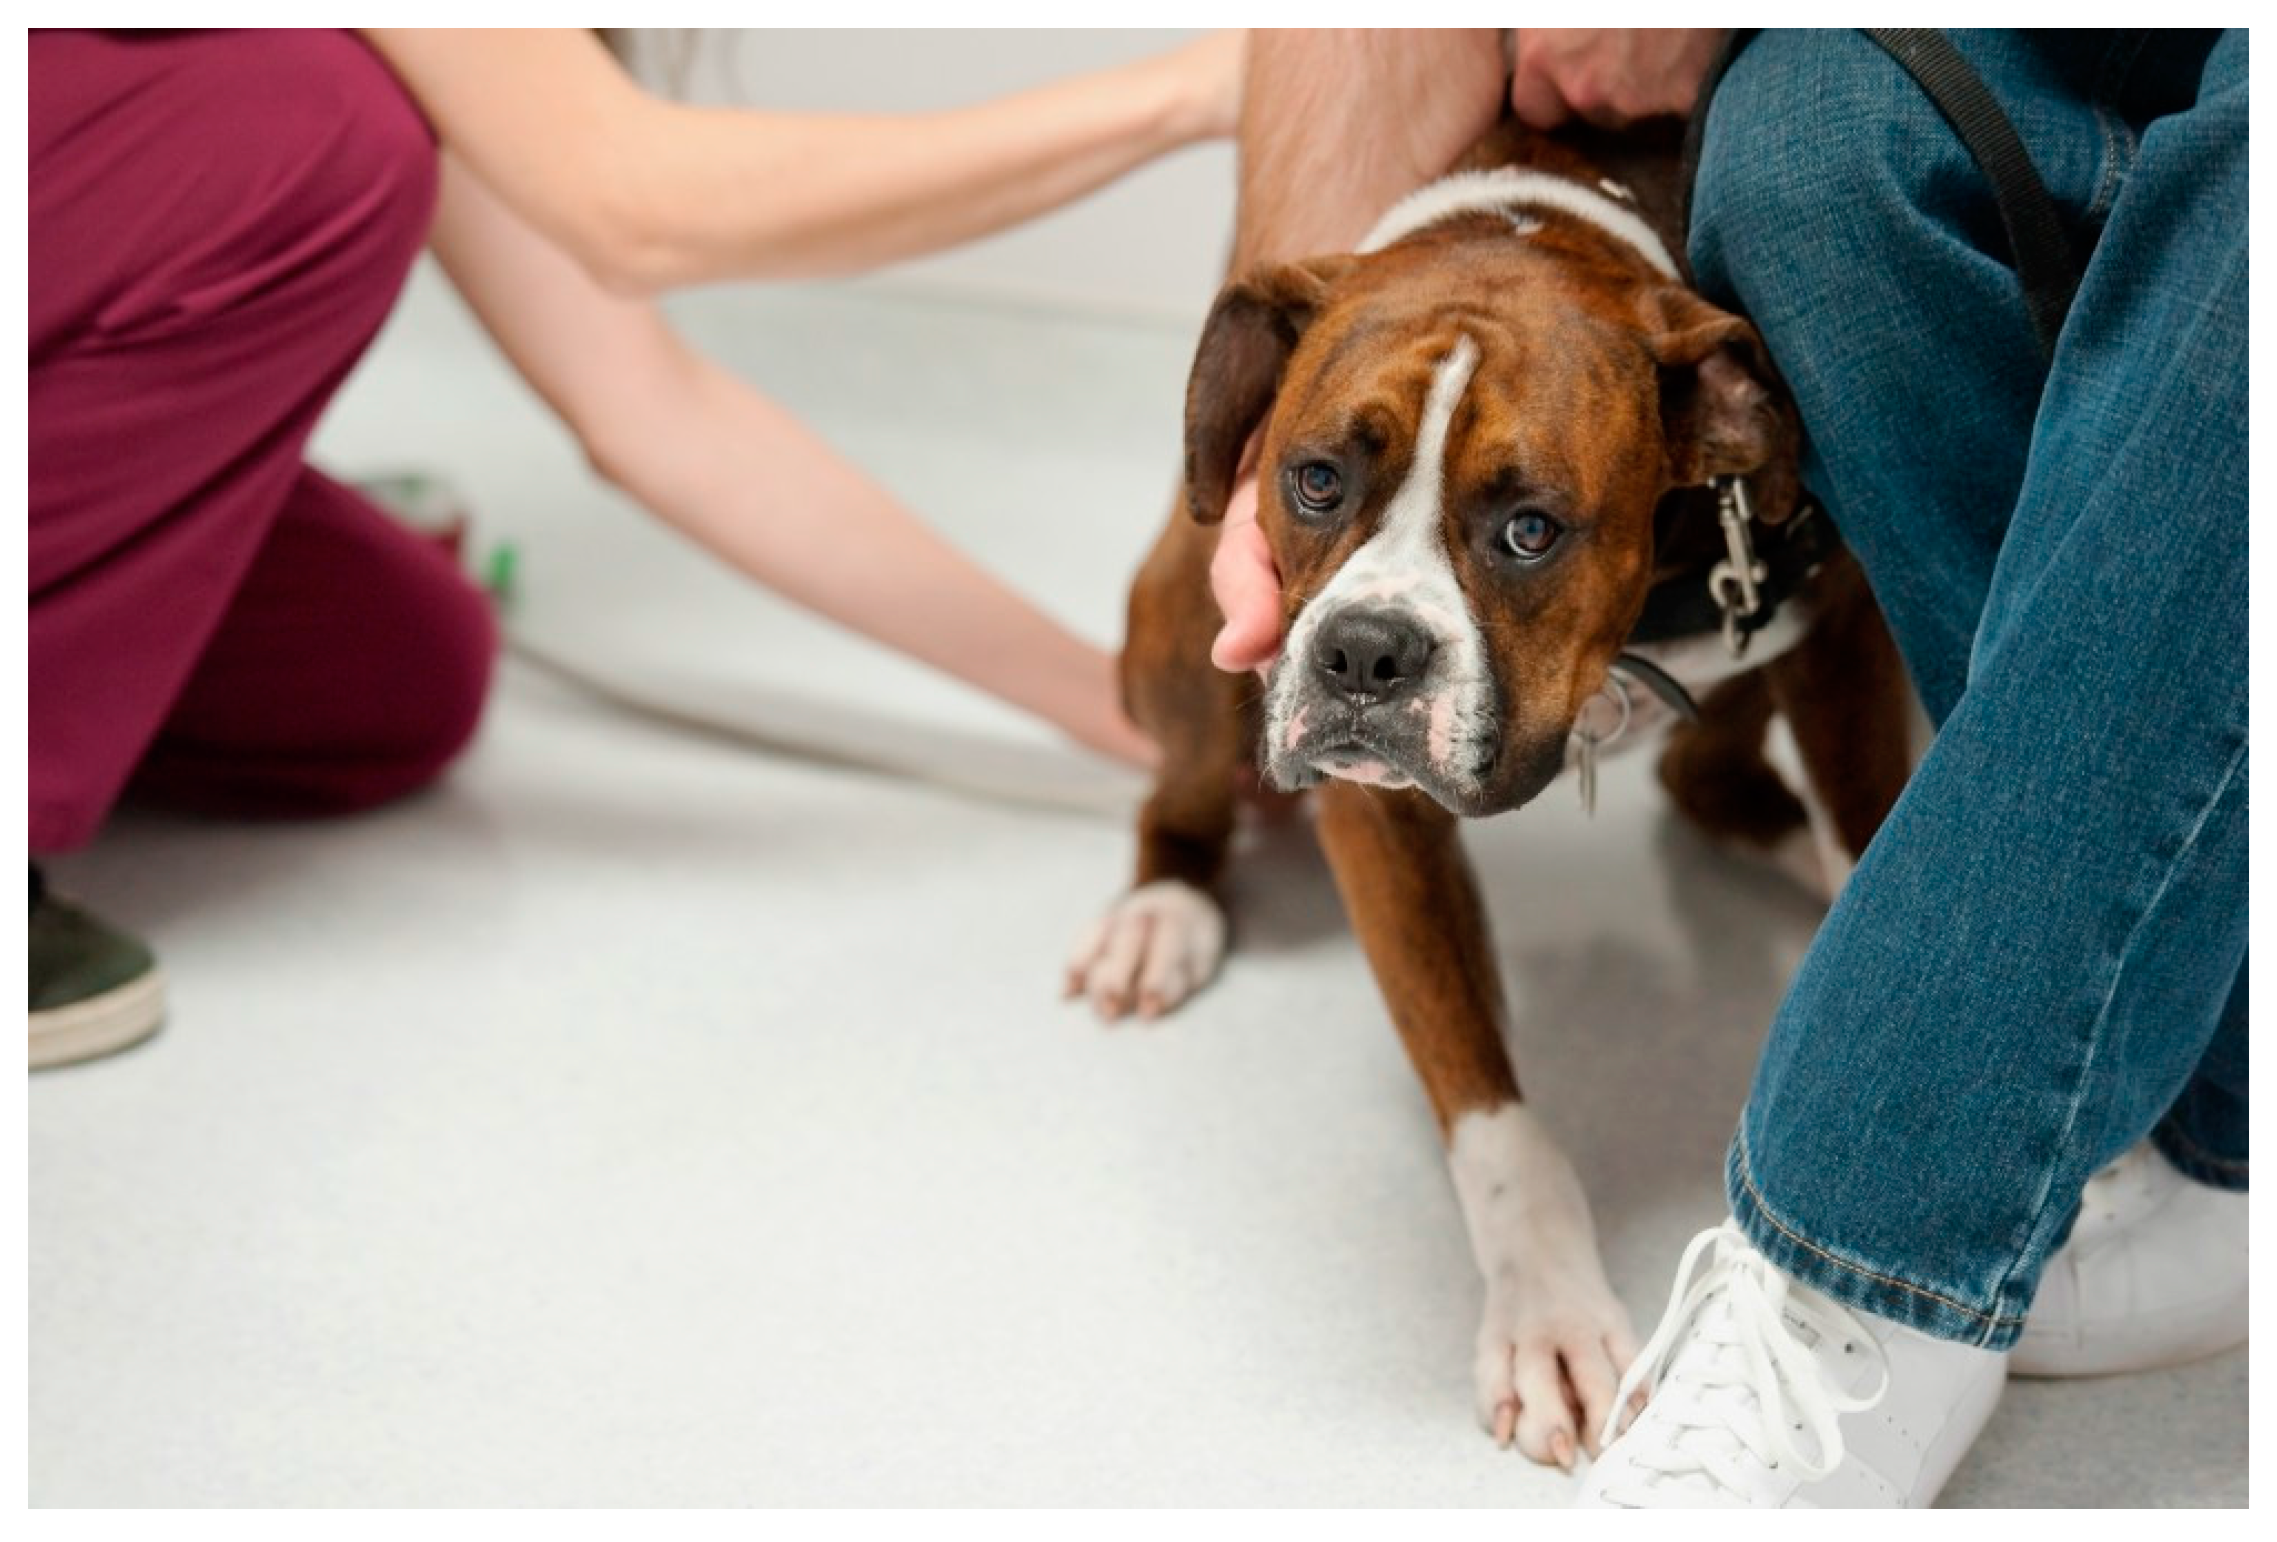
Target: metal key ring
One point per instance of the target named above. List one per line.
(1616, 690)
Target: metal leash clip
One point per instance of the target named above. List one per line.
(1732, 582)
(1588, 739)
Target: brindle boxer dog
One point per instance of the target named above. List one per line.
(1489, 436)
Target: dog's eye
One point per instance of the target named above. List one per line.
(1530, 534)
(1319, 486)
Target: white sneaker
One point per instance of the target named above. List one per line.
(1774, 1396)
(2154, 1274)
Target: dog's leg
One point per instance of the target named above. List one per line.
(1164, 939)
(1844, 693)
(1716, 774)
(1554, 1339)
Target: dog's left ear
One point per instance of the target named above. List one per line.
(1251, 331)
(1724, 410)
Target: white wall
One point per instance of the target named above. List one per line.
(1153, 244)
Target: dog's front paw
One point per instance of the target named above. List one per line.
(1551, 1351)
(1158, 945)
(1555, 1339)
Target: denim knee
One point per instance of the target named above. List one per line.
(1818, 146)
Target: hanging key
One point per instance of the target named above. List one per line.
(1603, 718)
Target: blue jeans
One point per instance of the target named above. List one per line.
(2042, 957)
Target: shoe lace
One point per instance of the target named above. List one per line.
(1741, 1381)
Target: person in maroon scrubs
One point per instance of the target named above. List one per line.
(219, 223)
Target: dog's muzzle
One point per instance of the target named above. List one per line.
(1368, 697)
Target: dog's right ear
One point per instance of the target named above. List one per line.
(1724, 408)
(1252, 329)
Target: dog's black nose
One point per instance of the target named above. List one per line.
(1371, 656)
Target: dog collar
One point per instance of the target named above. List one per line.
(1515, 187)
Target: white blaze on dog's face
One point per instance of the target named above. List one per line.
(1468, 438)
(1388, 651)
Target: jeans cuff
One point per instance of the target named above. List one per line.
(1850, 1282)
(2194, 1161)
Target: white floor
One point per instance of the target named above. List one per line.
(642, 1119)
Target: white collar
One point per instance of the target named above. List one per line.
(1471, 192)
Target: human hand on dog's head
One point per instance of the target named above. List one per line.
(1247, 584)
(1608, 76)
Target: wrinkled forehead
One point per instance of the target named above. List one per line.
(1553, 391)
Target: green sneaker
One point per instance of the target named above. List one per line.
(94, 990)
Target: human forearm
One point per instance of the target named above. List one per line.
(711, 456)
(754, 485)
(649, 194)
(838, 193)
(1337, 125)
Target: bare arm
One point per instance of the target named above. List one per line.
(1336, 126)
(739, 475)
(649, 194)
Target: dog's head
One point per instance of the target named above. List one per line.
(1467, 442)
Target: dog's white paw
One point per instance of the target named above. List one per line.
(1551, 1349)
(1555, 1339)
(1158, 945)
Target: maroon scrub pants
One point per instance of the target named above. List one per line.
(219, 223)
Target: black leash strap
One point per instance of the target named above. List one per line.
(2036, 239)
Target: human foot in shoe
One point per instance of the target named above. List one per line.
(94, 989)
(2154, 1274)
(1773, 1396)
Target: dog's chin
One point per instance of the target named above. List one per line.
(1507, 776)
(1355, 763)
(1367, 761)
